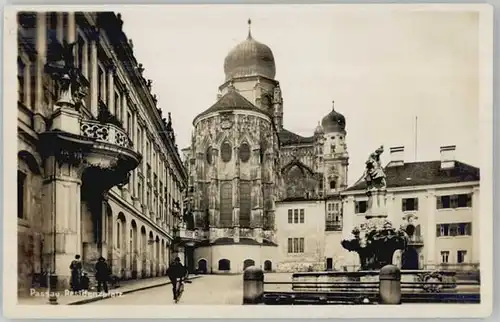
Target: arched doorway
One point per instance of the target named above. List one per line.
(157, 256)
(202, 266)
(410, 259)
(134, 250)
(268, 266)
(162, 255)
(247, 263)
(121, 244)
(109, 234)
(144, 254)
(151, 254)
(224, 265)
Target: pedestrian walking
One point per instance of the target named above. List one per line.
(76, 273)
(102, 274)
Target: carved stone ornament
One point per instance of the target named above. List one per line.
(61, 66)
(73, 157)
(226, 121)
(277, 98)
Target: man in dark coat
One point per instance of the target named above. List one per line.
(76, 273)
(102, 274)
(176, 272)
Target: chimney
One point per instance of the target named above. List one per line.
(448, 157)
(397, 156)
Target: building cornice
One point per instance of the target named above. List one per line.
(262, 115)
(472, 184)
(140, 89)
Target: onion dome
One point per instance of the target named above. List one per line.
(250, 58)
(333, 121)
(319, 130)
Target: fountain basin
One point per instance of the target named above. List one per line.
(412, 281)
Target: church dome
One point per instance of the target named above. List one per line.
(250, 58)
(333, 122)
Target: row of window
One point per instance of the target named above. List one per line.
(455, 229)
(411, 204)
(296, 245)
(461, 256)
(296, 216)
(226, 152)
(153, 177)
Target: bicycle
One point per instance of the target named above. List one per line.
(180, 289)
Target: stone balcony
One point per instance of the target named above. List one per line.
(416, 240)
(103, 151)
(105, 133)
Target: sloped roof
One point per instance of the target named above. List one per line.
(231, 101)
(424, 173)
(289, 138)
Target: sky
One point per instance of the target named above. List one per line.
(386, 69)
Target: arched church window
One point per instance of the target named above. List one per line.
(226, 152)
(333, 184)
(244, 152)
(209, 155)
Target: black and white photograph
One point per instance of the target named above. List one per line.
(248, 160)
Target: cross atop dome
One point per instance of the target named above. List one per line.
(249, 28)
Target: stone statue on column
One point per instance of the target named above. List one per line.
(374, 173)
(61, 65)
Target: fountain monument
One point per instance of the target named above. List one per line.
(376, 239)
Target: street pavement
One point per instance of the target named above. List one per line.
(208, 289)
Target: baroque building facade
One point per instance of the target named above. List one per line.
(245, 168)
(438, 202)
(99, 173)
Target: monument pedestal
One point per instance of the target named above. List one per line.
(376, 204)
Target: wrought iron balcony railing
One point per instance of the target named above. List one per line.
(108, 133)
(416, 240)
(333, 226)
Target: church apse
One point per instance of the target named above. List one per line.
(234, 175)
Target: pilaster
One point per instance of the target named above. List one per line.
(70, 27)
(94, 82)
(111, 90)
(60, 26)
(41, 49)
(476, 224)
(430, 238)
(63, 239)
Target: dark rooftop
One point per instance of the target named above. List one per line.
(290, 138)
(229, 102)
(424, 173)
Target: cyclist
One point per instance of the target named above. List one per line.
(177, 273)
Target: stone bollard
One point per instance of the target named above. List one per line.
(253, 285)
(390, 285)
